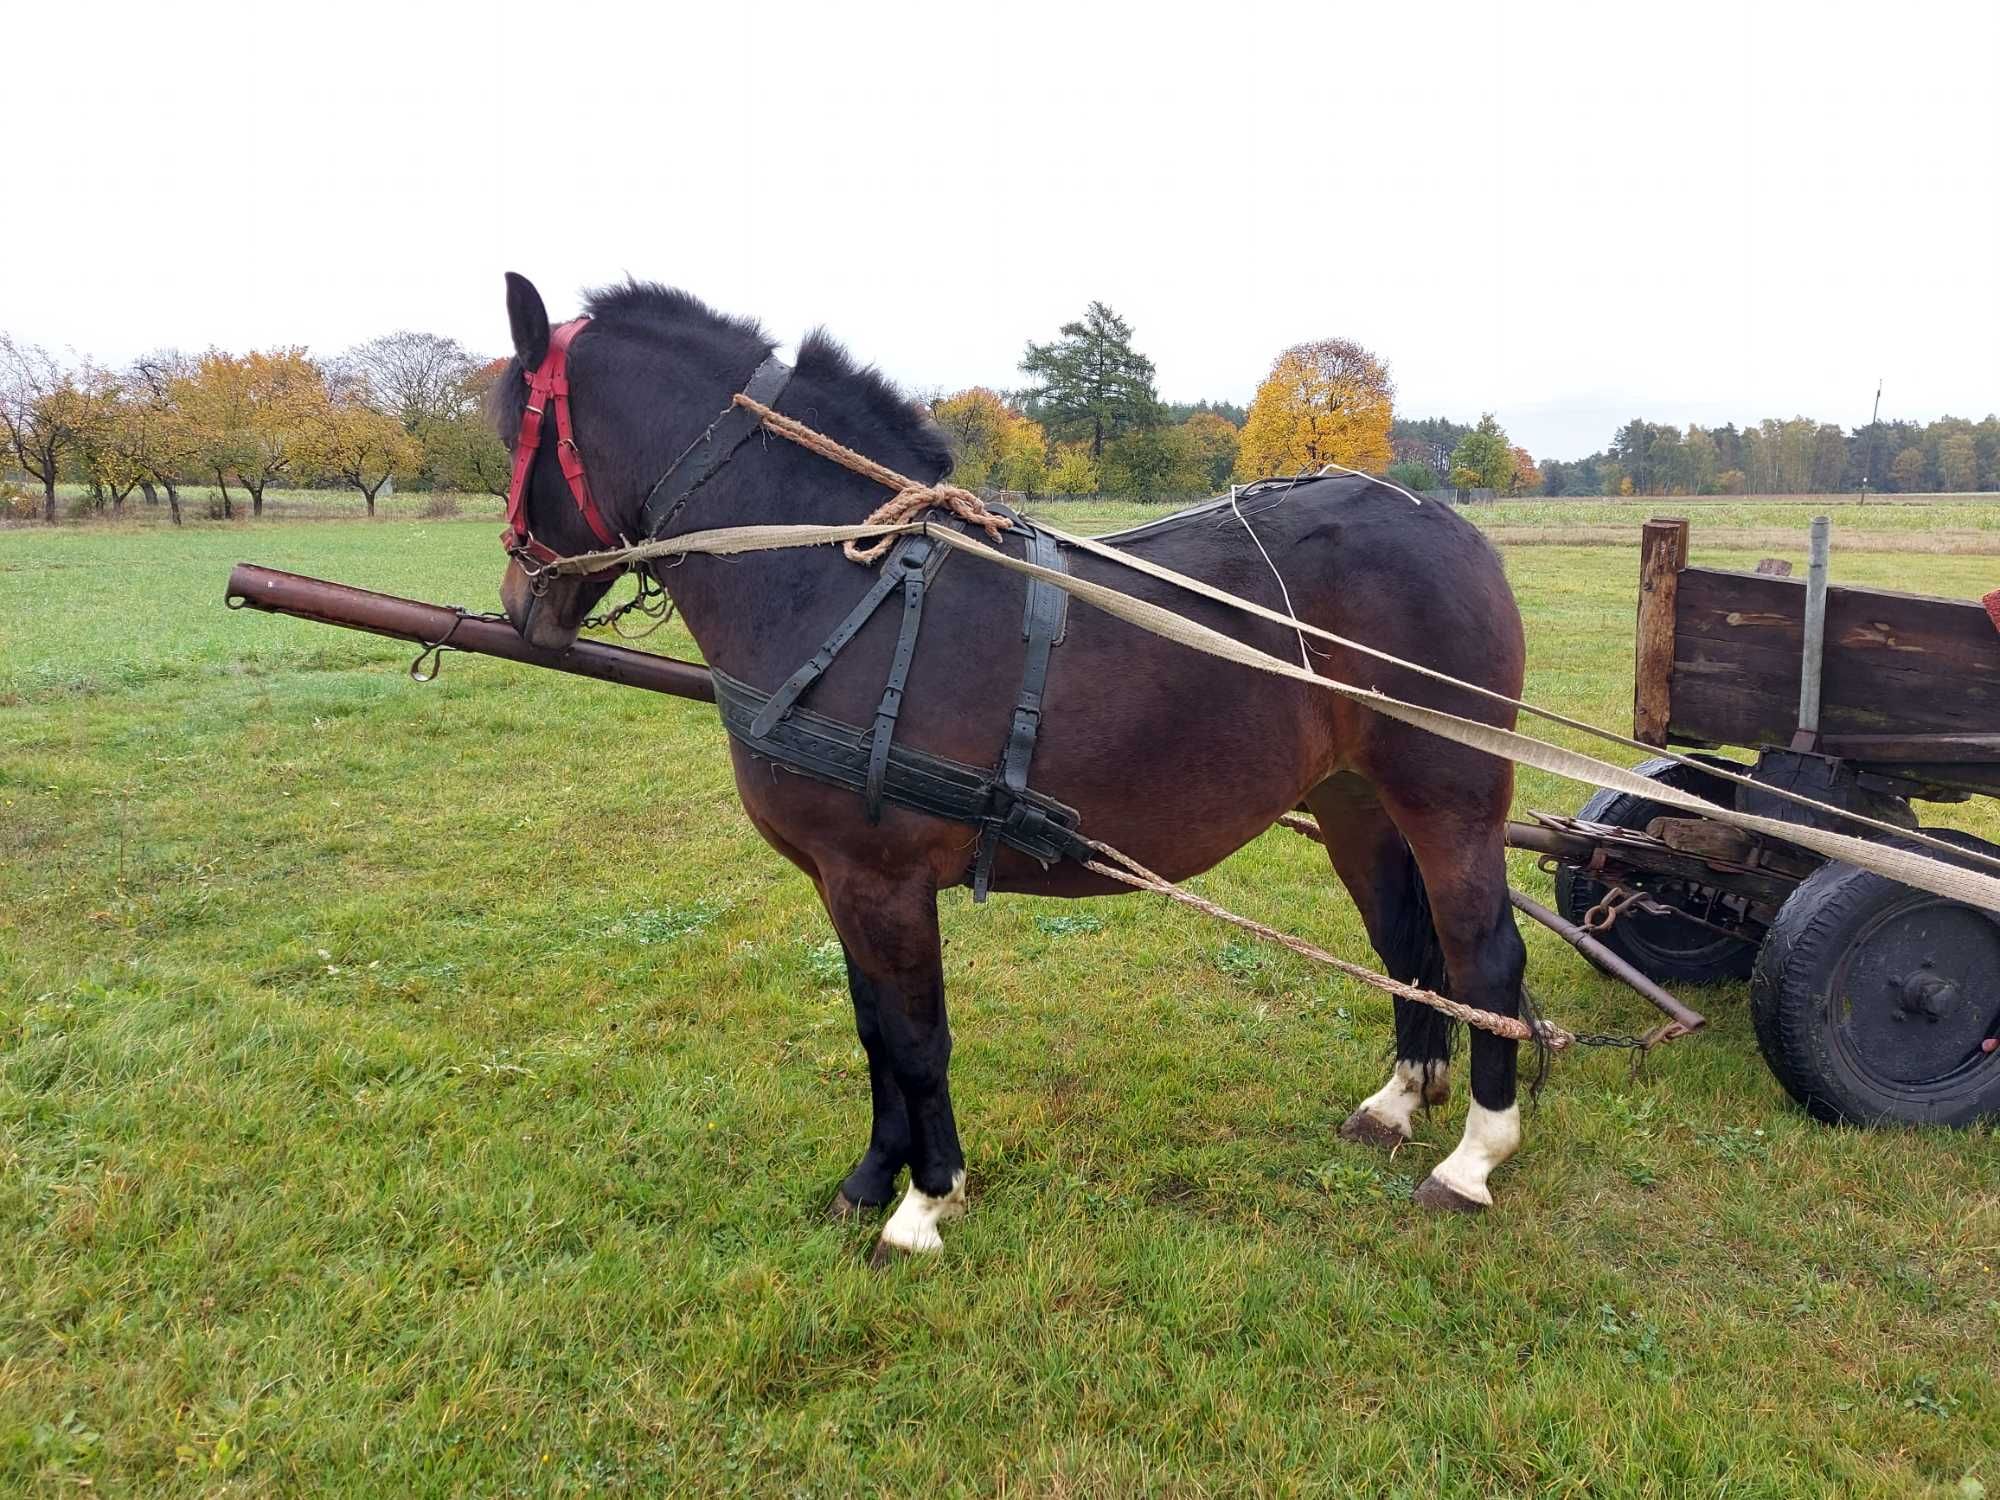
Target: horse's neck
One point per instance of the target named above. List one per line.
(748, 612)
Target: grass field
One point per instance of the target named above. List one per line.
(370, 1128)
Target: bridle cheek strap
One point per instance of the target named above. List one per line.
(548, 386)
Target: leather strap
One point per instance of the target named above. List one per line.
(911, 562)
(1043, 621)
(548, 385)
(838, 754)
(715, 446)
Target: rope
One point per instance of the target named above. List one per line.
(911, 499)
(1129, 871)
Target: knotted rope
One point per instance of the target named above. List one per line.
(911, 498)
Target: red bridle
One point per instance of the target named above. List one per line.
(549, 383)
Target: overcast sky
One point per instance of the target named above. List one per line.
(1568, 214)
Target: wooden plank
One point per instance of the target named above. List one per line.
(1662, 554)
(1982, 748)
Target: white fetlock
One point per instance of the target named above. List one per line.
(1395, 1104)
(913, 1226)
(1491, 1136)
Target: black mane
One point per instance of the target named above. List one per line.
(869, 412)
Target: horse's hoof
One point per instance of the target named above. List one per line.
(1365, 1129)
(1434, 1193)
(844, 1208)
(885, 1255)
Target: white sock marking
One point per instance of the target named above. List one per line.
(1395, 1103)
(1491, 1136)
(913, 1226)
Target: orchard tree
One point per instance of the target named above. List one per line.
(461, 453)
(47, 413)
(1091, 382)
(1325, 402)
(157, 428)
(257, 416)
(417, 378)
(352, 441)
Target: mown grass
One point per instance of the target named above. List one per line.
(374, 1124)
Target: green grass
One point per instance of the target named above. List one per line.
(370, 1126)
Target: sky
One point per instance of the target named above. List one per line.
(1569, 215)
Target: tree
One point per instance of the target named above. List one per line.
(157, 428)
(995, 444)
(1159, 462)
(1072, 470)
(1092, 382)
(1526, 475)
(1325, 402)
(461, 453)
(1958, 463)
(1214, 440)
(47, 414)
(356, 443)
(1483, 459)
(1413, 476)
(255, 416)
(1908, 470)
(417, 378)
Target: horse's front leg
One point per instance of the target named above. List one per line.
(873, 1181)
(890, 931)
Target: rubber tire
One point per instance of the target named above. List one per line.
(1577, 892)
(1797, 965)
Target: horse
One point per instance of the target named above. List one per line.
(1174, 757)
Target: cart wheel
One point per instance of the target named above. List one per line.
(1873, 1001)
(1663, 948)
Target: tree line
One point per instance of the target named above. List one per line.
(405, 407)
(1088, 419)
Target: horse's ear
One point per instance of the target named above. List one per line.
(529, 320)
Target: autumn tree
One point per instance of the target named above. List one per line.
(256, 415)
(995, 443)
(1526, 475)
(1214, 440)
(1091, 382)
(46, 412)
(1325, 402)
(1072, 470)
(347, 439)
(157, 428)
(1483, 459)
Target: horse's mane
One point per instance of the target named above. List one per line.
(872, 413)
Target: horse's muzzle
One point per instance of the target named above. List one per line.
(549, 619)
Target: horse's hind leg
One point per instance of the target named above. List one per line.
(1461, 850)
(890, 931)
(1374, 862)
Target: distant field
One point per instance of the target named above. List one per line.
(370, 1127)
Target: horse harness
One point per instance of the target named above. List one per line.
(998, 801)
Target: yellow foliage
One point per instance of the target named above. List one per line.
(995, 444)
(1072, 471)
(1329, 401)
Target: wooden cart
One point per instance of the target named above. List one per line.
(1872, 1001)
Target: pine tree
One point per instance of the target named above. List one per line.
(1092, 383)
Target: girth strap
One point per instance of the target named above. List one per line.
(1041, 627)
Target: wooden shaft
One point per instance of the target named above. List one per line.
(423, 624)
(1662, 555)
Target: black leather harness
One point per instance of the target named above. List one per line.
(1000, 804)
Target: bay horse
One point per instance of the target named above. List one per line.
(1174, 757)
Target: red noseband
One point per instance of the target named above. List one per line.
(548, 384)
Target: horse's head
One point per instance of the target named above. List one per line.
(553, 504)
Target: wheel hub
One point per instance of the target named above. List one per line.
(1918, 993)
